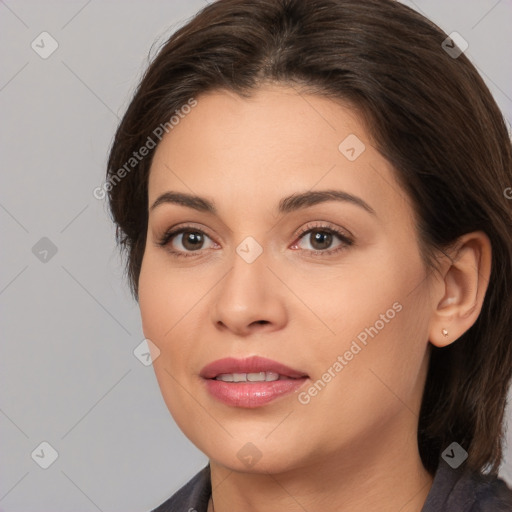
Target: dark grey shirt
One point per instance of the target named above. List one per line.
(452, 491)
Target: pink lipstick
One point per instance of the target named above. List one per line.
(250, 382)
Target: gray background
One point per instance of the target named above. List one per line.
(68, 374)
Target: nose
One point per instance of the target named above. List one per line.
(250, 299)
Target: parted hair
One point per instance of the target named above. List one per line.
(428, 113)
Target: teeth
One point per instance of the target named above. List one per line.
(249, 377)
(262, 376)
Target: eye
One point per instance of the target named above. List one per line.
(318, 240)
(186, 240)
(321, 240)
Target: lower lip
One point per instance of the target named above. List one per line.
(251, 395)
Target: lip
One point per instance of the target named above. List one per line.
(246, 394)
(254, 364)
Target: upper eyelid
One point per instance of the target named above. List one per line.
(178, 228)
(327, 226)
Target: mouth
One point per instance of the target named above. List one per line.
(250, 369)
(250, 382)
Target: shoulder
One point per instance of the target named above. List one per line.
(460, 490)
(192, 497)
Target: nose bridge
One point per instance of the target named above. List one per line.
(247, 279)
(248, 294)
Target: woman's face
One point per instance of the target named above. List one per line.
(302, 250)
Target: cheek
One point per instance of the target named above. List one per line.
(389, 374)
(379, 321)
(165, 297)
(173, 310)
(381, 380)
(164, 303)
(365, 293)
(154, 304)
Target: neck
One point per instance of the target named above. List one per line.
(372, 476)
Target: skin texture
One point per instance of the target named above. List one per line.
(353, 446)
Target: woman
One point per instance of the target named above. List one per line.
(311, 197)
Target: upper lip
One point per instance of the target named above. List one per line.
(254, 364)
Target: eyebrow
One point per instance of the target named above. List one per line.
(286, 205)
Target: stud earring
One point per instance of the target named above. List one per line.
(445, 333)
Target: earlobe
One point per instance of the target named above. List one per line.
(465, 278)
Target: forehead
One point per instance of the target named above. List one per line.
(275, 123)
(253, 151)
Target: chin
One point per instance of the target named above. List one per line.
(256, 456)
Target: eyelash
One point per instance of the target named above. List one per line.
(346, 240)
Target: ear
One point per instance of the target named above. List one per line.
(459, 293)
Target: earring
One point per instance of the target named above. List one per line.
(445, 333)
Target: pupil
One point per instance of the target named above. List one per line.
(323, 239)
(192, 240)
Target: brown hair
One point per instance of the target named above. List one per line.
(429, 114)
